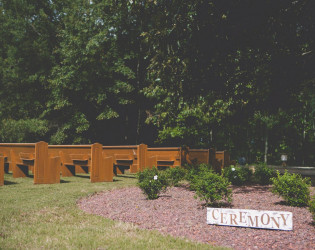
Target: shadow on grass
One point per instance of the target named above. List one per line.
(83, 176)
(126, 176)
(63, 181)
(9, 182)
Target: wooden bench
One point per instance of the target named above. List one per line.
(5, 154)
(197, 156)
(131, 157)
(26, 156)
(222, 159)
(163, 157)
(90, 157)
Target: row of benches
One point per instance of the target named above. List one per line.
(48, 161)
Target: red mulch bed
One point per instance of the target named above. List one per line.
(178, 213)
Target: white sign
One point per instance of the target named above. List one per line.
(250, 218)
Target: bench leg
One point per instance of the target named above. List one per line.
(19, 170)
(68, 171)
(81, 169)
(54, 170)
(134, 168)
(119, 170)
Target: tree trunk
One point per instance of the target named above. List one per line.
(266, 147)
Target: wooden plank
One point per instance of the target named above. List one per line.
(101, 167)
(124, 157)
(41, 168)
(164, 157)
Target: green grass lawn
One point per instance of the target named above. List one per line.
(46, 216)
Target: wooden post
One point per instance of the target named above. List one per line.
(96, 162)
(212, 161)
(142, 156)
(1, 170)
(108, 168)
(180, 158)
(227, 160)
(152, 162)
(41, 168)
(101, 167)
(54, 170)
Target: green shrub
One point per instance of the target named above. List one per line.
(263, 174)
(312, 208)
(211, 187)
(193, 170)
(175, 175)
(292, 188)
(152, 182)
(237, 175)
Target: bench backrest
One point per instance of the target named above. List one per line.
(132, 156)
(163, 157)
(91, 156)
(198, 156)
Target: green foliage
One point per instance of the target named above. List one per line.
(292, 188)
(152, 182)
(121, 72)
(195, 169)
(211, 187)
(175, 175)
(312, 208)
(92, 83)
(30, 130)
(263, 174)
(237, 175)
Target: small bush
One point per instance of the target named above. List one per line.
(175, 175)
(263, 175)
(312, 208)
(237, 175)
(152, 182)
(211, 187)
(193, 170)
(292, 188)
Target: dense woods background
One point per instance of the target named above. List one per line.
(232, 74)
